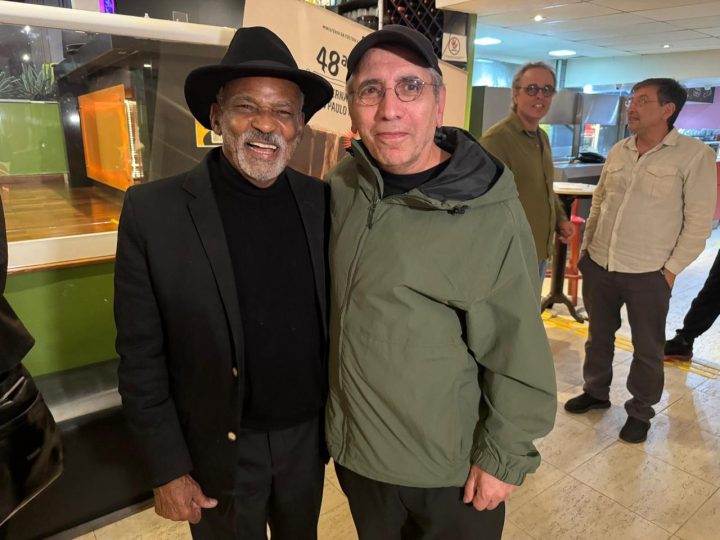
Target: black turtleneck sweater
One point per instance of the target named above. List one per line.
(276, 292)
(395, 184)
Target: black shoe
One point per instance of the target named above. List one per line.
(584, 403)
(679, 348)
(634, 431)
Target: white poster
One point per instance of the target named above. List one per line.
(321, 40)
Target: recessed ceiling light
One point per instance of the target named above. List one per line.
(26, 57)
(562, 52)
(538, 18)
(666, 46)
(484, 41)
(588, 88)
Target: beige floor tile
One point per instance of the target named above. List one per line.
(330, 475)
(686, 446)
(337, 524)
(570, 510)
(699, 406)
(711, 387)
(332, 498)
(513, 532)
(657, 491)
(146, 525)
(705, 524)
(571, 443)
(534, 484)
(88, 536)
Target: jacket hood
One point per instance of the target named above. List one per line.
(472, 178)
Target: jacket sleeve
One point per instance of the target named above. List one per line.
(560, 214)
(507, 337)
(143, 372)
(699, 198)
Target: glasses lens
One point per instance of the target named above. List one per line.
(409, 90)
(370, 94)
(532, 89)
(548, 90)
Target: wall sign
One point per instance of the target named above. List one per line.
(701, 95)
(321, 40)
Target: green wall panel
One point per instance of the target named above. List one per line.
(32, 138)
(69, 313)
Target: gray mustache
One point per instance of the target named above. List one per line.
(267, 138)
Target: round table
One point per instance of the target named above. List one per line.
(568, 192)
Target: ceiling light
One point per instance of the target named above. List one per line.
(27, 29)
(666, 46)
(26, 57)
(562, 52)
(588, 88)
(487, 41)
(538, 18)
(148, 66)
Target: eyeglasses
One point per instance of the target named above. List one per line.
(640, 101)
(406, 90)
(532, 90)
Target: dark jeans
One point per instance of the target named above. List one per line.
(388, 512)
(279, 483)
(647, 297)
(706, 306)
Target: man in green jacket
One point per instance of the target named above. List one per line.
(519, 143)
(441, 375)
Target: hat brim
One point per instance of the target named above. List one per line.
(203, 84)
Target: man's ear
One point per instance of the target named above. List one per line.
(215, 118)
(669, 111)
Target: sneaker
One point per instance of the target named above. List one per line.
(679, 348)
(584, 403)
(634, 431)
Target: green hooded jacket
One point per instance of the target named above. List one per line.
(439, 357)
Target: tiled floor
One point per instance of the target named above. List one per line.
(590, 485)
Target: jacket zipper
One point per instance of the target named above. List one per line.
(343, 307)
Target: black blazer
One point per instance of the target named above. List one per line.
(15, 340)
(178, 321)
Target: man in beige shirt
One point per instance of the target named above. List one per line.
(651, 214)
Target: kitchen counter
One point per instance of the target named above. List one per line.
(587, 173)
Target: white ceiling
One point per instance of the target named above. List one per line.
(592, 28)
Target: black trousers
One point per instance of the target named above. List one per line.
(647, 297)
(279, 483)
(705, 308)
(388, 512)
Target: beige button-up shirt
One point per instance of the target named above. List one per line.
(655, 210)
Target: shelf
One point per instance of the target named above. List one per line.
(355, 4)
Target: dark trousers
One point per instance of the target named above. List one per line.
(388, 512)
(706, 306)
(647, 297)
(279, 483)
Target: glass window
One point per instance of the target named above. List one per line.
(84, 116)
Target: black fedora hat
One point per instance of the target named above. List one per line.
(253, 52)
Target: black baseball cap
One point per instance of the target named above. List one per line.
(395, 34)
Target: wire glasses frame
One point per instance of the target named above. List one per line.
(640, 101)
(406, 91)
(532, 90)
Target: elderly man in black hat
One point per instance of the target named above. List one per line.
(220, 307)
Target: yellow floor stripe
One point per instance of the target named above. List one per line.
(696, 366)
